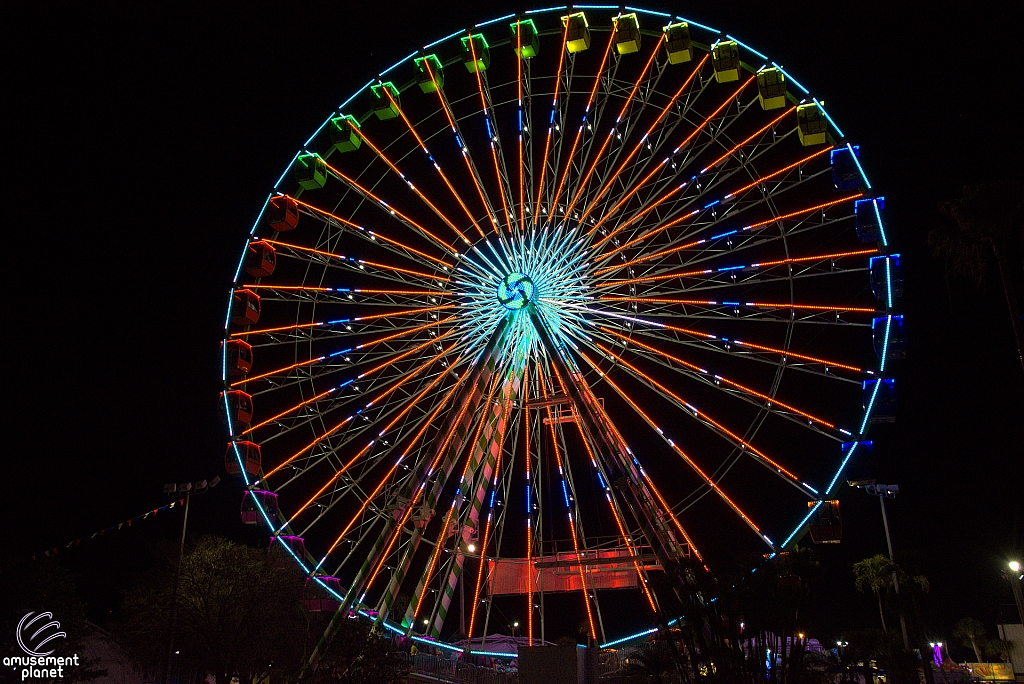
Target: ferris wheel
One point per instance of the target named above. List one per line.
(557, 305)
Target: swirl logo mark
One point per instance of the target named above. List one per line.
(41, 634)
(515, 291)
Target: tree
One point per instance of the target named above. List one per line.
(359, 654)
(971, 632)
(876, 574)
(239, 613)
(986, 222)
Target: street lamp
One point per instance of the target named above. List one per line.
(187, 489)
(883, 492)
(1015, 578)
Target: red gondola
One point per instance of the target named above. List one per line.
(283, 214)
(281, 544)
(237, 357)
(237, 404)
(252, 500)
(248, 452)
(826, 524)
(260, 259)
(245, 307)
(318, 596)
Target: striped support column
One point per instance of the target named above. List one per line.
(430, 501)
(460, 439)
(488, 447)
(484, 361)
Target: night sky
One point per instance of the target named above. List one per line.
(141, 143)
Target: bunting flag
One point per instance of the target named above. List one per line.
(54, 551)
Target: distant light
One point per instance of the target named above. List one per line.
(801, 635)
(426, 621)
(515, 624)
(471, 548)
(1015, 566)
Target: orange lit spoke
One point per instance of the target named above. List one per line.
(683, 274)
(395, 384)
(579, 131)
(465, 154)
(401, 175)
(544, 158)
(622, 530)
(437, 168)
(372, 234)
(608, 184)
(731, 383)
(675, 447)
(490, 515)
(442, 539)
(494, 133)
(409, 405)
(395, 212)
(737, 439)
(672, 191)
(572, 520)
(412, 443)
(608, 139)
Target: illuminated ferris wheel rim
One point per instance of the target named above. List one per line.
(512, 283)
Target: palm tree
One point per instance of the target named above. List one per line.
(874, 574)
(971, 632)
(987, 221)
(878, 574)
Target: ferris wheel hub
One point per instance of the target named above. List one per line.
(516, 291)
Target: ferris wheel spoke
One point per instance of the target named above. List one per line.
(751, 272)
(339, 327)
(540, 196)
(709, 378)
(464, 152)
(356, 265)
(328, 364)
(503, 431)
(396, 381)
(425, 422)
(604, 480)
(579, 131)
(524, 129)
(740, 444)
(395, 214)
(670, 217)
(405, 407)
(618, 133)
(670, 186)
(758, 353)
(422, 422)
(545, 374)
(711, 483)
(730, 237)
(423, 198)
(344, 226)
(419, 593)
(728, 211)
(618, 175)
(492, 133)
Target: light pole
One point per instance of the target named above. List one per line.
(884, 492)
(188, 489)
(1015, 578)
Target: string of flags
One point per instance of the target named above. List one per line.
(127, 523)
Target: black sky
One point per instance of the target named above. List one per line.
(140, 142)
